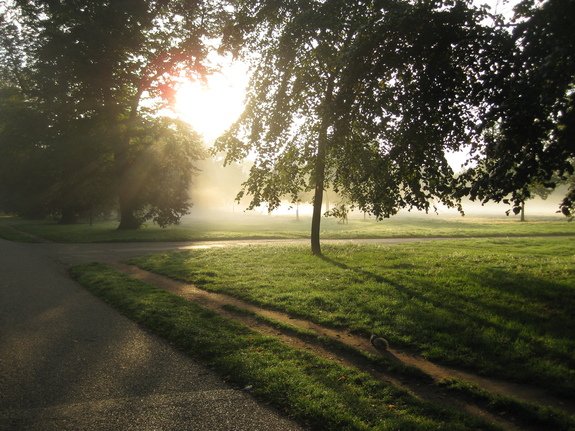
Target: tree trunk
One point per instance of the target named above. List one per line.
(128, 220)
(522, 211)
(127, 196)
(122, 139)
(317, 201)
(297, 211)
(319, 173)
(126, 192)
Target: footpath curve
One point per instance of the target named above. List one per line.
(70, 362)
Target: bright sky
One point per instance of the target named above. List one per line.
(211, 108)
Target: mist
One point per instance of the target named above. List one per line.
(215, 188)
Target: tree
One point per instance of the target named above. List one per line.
(159, 176)
(92, 64)
(530, 129)
(25, 160)
(362, 96)
(535, 189)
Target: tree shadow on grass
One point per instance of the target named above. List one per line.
(503, 323)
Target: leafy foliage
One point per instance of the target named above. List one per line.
(365, 97)
(88, 67)
(160, 171)
(529, 131)
(24, 158)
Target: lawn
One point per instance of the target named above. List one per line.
(13, 235)
(498, 307)
(262, 226)
(502, 307)
(320, 393)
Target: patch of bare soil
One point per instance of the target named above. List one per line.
(428, 390)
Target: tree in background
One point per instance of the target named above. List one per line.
(25, 160)
(159, 176)
(362, 96)
(529, 131)
(89, 66)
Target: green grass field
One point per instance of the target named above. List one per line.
(320, 393)
(252, 227)
(498, 307)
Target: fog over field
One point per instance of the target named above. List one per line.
(215, 188)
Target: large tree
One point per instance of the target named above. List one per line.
(91, 66)
(530, 129)
(363, 96)
(23, 152)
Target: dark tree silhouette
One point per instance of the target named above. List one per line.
(529, 132)
(88, 66)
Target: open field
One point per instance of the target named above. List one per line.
(262, 226)
(320, 393)
(499, 307)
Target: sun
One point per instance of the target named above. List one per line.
(212, 107)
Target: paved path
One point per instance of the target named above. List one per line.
(70, 362)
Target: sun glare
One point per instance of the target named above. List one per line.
(212, 107)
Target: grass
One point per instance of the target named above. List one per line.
(320, 393)
(545, 417)
(530, 413)
(498, 307)
(13, 235)
(7, 232)
(259, 227)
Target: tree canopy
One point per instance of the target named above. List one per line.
(365, 97)
(87, 67)
(529, 129)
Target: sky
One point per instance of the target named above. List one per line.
(212, 107)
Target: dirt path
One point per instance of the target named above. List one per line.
(427, 390)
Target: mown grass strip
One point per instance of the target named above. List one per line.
(318, 392)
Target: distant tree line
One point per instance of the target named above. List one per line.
(364, 97)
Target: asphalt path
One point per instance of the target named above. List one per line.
(70, 362)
